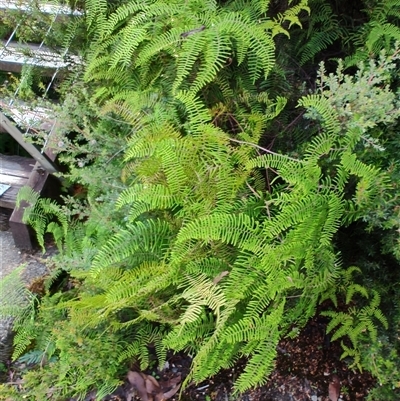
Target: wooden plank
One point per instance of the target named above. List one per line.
(13, 180)
(47, 185)
(14, 171)
(46, 163)
(16, 166)
(7, 200)
(9, 66)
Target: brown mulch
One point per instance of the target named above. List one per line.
(304, 368)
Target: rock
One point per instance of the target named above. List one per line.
(6, 342)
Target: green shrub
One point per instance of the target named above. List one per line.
(195, 237)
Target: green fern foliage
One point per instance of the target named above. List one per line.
(38, 212)
(235, 253)
(209, 261)
(356, 323)
(196, 41)
(379, 33)
(212, 240)
(14, 295)
(323, 29)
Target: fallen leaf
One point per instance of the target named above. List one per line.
(137, 381)
(171, 382)
(149, 389)
(171, 392)
(334, 388)
(152, 385)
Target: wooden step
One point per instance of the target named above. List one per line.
(14, 171)
(48, 186)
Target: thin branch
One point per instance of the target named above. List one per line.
(293, 122)
(264, 149)
(116, 154)
(253, 190)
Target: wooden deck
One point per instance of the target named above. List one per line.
(14, 171)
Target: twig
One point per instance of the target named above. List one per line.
(253, 190)
(264, 149)
(115, 154)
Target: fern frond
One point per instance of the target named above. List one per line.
(201, 369)
(27, 194)
(95, 10)
(138, 347)
(233, 229)
(191, 49)
(40, 212)
(195, 109)
(255, 329)
(324, 109)
(14, 296)
(318, 42)
(135, 287)
(215, 58)
(355, 288)
(191, 335)
(332, 221)
(320, 145)
(291, 15)
(356, 322)
(159, 197)
(143, 238)
(167, 41)
(378, 31)
(201, 292)
(260, 364)
(130, 38)
(132, 10)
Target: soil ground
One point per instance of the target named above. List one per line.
(304, 368)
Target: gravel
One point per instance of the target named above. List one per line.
(11, 258)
